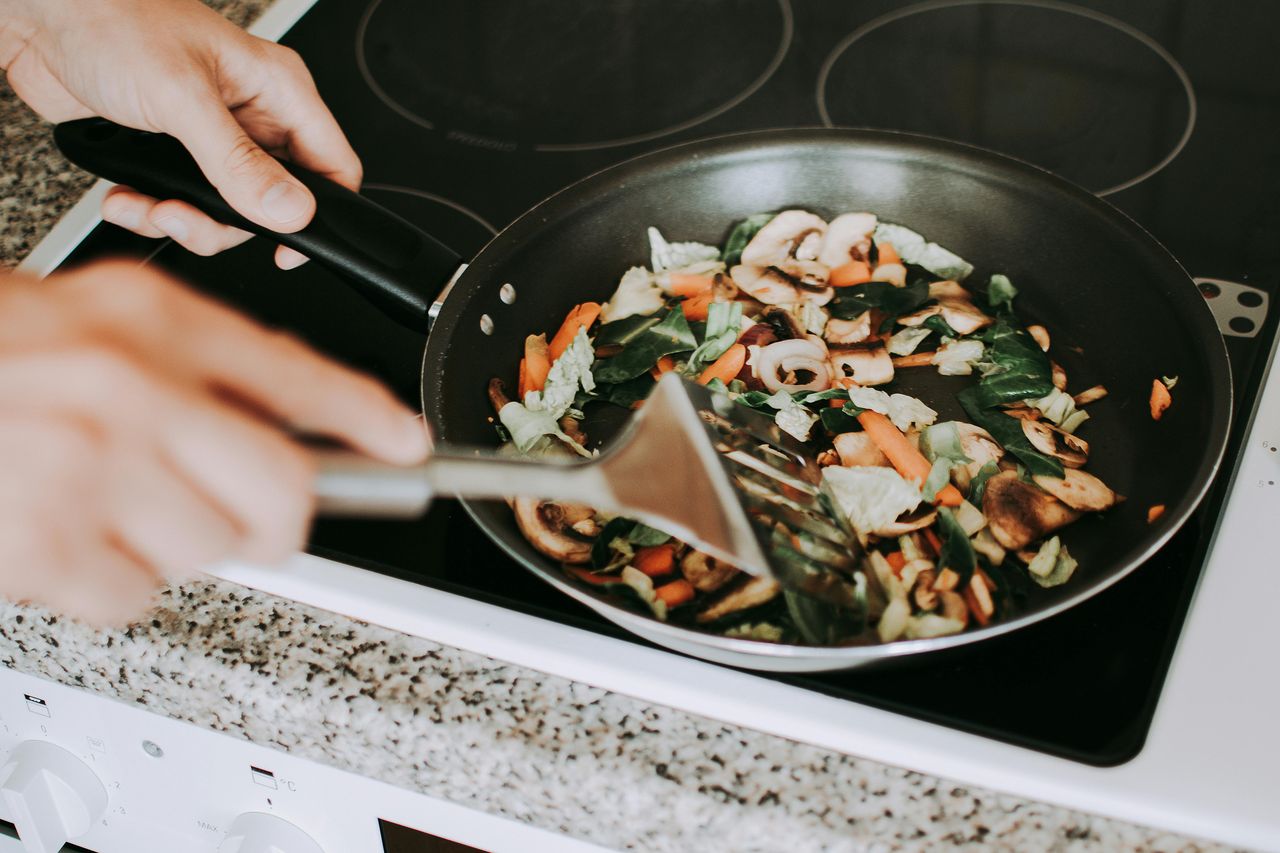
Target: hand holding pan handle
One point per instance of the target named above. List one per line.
(392, 262)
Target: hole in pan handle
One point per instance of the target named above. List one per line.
(391, 261)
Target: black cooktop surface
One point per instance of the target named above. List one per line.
(466, 112)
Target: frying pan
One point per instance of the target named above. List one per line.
(1120, 309)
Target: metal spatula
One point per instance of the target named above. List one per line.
(691, 463)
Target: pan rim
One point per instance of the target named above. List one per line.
(1187, 301)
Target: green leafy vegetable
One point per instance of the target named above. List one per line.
(668, 337)
(724, 323)
(1053, 565)
(625, 394)
(852, 302)
(1060, 407)
(821, 623)
(644, 536)
(939, 476)
(673, 256)
(530, 427)
(602, 551)
(829, 394)
(939, 324)
(957, 551)
(978, 485)
(1000, 292)
(915, 249)
(1017, 369)
(1008, 432)
(626, 330)
(741, 235)
(837, 421)
(942, 441)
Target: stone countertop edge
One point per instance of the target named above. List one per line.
(499, 738)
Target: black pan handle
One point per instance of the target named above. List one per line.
(391, 261)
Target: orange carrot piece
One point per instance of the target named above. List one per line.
(675, 593)
(1160, 399)
(978, 598)
(581, 317)
(726, 367)
(909, 461)
(886, 254)
(537, 363)
(524, 377)
(587, 576)
(665, 364)
(656, 560)
(697, 307)
(687, 285)
(846, 275)
(896, 561)
(1154, 513)
(916, 359)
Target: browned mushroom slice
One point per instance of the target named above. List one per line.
(844, 332)
(783, 322)
(1059, 376)
(497, 395)
(551, 528)
(764, 285)
(1071, 451)
(955, 306)
(848, 239)
(1079, 490)
(864, 365)
(707, 574)
(749, 592)
(1019, 513)
(789, 235)
(978, 444)
(918, 520)
(857, 450)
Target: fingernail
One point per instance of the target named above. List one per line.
(285, 202)
(288, 259)
(174, 227)
(124, 216)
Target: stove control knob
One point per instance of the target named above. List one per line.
(51, 795)
(256, 832)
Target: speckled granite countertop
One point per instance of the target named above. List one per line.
(334, 690)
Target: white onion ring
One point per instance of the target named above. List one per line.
(784, 357)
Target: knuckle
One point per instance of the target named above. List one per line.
(108, 372)
(247, 159)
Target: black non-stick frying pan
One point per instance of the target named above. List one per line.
(1120, 309)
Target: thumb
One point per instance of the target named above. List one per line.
(251, 180)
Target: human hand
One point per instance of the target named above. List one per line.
(177, 67)
(143, 437)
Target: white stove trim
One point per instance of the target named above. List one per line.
(1208, 766)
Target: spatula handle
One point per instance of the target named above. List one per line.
(392, 262)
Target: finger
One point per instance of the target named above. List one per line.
(197, 338)
(250, 179)
(112, 587)
(254, 474)
(289, 259)
(164, 520)
(130, 210)
(191, 229)
(314, 139)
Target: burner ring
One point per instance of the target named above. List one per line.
(438, 199)
(820, 92)
(784, 45)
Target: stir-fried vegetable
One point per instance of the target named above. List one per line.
(807, 320)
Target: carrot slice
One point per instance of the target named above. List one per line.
(1154, 513)
(846, 275)
(916, 359)
(909, 461)
(581, 317)
(537, 359)
(656, 560)
(587, 576)
(698, 306)
(1160, 399)
(523, 384)
(665, 364)
(896, 561)
(687, 285)
(935, 544)
(886, 254)
(726, 367)
(675, 593)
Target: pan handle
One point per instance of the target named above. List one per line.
(389, 260)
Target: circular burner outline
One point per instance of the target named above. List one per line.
(438, 199)
(820, 90)
(784, 46)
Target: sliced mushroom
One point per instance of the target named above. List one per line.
(1079, 490)
(572, 427)
(953, 606)
(549, 527)
(1059, 376)
(978, 444)
(848, 239)
(924, 595)
(764, 285)
(1090, 395)
(857, 450)
(844, 332)
(785, 325)
(1019, 513)
(779, 240)
(497, 395)
(955, 306)
(917, 520)
(895, 274)
(747, 593)
(948, 289)
(707, 574)
(864, 365)
(778, 364)
(1071, 451)
(1041, 336)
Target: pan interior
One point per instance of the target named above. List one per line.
(1120, 310)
